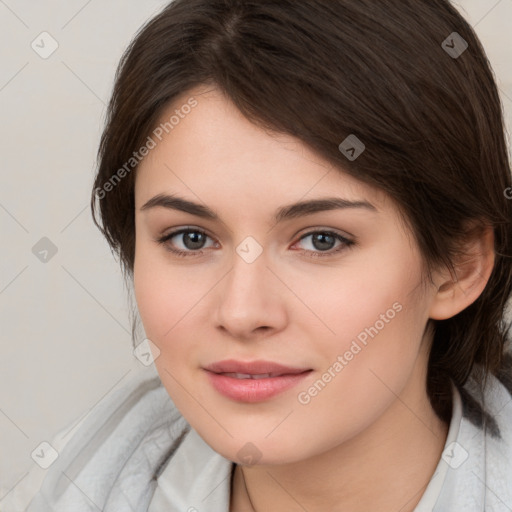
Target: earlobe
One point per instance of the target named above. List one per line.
(473, 269)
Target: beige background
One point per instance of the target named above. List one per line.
(65, 334)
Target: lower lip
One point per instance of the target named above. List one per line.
(254, 390)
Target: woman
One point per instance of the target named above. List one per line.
(310, 199)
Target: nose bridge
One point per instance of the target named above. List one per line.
(248, 298)
(248, 280)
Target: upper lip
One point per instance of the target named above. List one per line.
(253, 368)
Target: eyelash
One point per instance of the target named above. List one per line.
(346, 244)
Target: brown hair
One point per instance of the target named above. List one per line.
(321, 70)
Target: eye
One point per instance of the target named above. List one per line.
(192, 242)
(323, 243)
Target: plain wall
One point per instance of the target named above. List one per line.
(65, 331)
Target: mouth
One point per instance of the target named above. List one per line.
(252, 376)
(254, 381)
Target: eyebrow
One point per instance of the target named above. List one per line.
(292, 211)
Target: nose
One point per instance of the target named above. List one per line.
(251, 300)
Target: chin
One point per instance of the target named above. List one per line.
(248, 447)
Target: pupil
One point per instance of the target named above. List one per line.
(324, 241)
(196, 240)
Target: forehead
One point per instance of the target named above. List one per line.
(211, 149)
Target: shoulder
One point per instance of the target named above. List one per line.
(480, 472)
(498, 445)
(488, 405)
(122, 441)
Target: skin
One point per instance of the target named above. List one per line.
(369, 438)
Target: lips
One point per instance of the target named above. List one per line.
(254, 381)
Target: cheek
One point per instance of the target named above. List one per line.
(165, 297)
(369, 294)
(156, 300)
(365, 367)
(165, 293)
(169, 299)
(373, 317)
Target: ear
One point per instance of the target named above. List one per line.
(472, 271)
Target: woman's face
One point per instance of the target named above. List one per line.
(283, 331)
